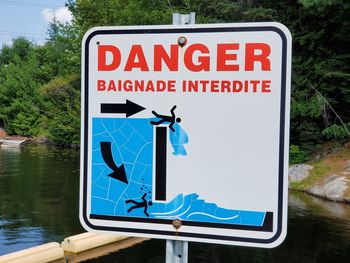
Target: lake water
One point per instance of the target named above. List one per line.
(39, 191)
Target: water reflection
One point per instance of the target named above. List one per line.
(39, 189)
(13, 232)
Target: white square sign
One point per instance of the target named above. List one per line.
(185, 132)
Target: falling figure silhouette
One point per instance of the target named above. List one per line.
(165, 118)
(143, 204)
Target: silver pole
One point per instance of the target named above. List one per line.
(177, 251)
(184, 19)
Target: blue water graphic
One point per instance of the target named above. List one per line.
(178, 139)
(191, 208)
(132, 145)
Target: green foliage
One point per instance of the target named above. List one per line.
(19, 89)
(38, 93)
(296, 155)
(20, 48)
(319, 3)
(62, 50)
(336, 132)
(39, 87)
(63, 97)
(89, 13)
(321, 52)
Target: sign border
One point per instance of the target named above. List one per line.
(254, 27)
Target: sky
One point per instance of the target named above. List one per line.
(29, 18)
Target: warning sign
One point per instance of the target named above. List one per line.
(185, 132)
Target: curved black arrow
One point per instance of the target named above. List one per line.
(118, 172)
(129, 108)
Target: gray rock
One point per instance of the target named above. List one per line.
(299, 172)
(331, 178)
(333, 189)
(347, 167)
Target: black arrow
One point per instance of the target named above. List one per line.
(129, 108)
(118, 172)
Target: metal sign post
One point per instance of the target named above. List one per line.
(177, 251)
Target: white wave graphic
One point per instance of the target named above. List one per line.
(168, 213)
(176, 216)
(218, 218)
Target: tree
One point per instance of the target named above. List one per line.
(63, 109)
(321, 53)
(19, 89)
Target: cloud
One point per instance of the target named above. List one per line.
(62, 14)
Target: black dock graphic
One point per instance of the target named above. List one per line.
(160, 166)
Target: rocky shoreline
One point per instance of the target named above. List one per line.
(326, 177)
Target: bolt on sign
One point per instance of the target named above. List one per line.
(185, 132)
